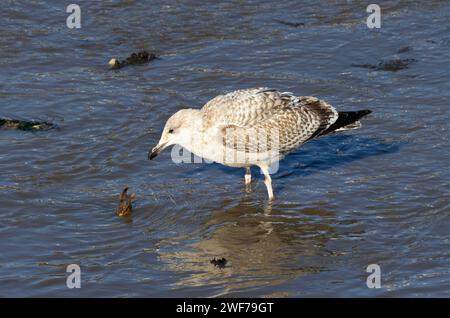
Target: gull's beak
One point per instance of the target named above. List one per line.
(156, 150)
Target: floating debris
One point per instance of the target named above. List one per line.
(404, 49)
(220, 263)
(390, 65)
(291, 24)
(134, 59)
(395, 65)
(125, 204)
(25, 125)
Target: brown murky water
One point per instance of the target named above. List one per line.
(379, 195)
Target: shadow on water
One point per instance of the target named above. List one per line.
(264, 245)
(322, 154)
(334, 151)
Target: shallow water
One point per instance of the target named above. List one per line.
(378, 195)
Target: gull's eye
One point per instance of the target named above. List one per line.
(170, 131)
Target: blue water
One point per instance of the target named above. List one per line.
(377, 195)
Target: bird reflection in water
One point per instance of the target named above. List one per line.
(263, 246)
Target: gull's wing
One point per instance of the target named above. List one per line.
(261, 120)
(244, 108)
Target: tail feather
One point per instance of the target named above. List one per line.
(346, 121)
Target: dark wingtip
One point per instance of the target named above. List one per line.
(152, 155)
(359, 114)
(365, 112)
(344, 119)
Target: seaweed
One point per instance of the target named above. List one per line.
(389, 65)
(138, 58)
(220, 263)
(404, 49)
(125, 203)
(25, 125)
(289, 23)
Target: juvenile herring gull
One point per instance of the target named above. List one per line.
(253, 127)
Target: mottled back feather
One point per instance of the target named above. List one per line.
(252, 119)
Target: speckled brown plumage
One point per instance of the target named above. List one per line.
(265, 112)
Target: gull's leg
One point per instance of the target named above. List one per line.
(248, 180)
(248, 176)
(267, 181)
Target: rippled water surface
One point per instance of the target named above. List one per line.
(378, 195)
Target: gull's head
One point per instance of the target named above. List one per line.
(177, 131)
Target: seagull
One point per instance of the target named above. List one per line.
(253, 127)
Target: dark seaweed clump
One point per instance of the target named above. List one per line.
(404, 49)
(134, 59)
(25, 125)
(389, 65)
(125, 203)
(289, 23)
(220, 263)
